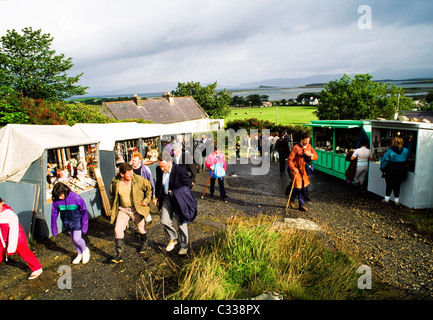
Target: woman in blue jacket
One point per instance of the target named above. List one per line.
(75, 218)
(393, 167)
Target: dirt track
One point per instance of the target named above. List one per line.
(377, 234)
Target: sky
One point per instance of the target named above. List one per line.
(120, 44)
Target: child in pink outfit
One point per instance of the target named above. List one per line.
(13, 240)
(212, 162)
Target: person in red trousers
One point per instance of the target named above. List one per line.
(13, 240)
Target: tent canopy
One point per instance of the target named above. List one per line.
(22, 144)
(109, 133)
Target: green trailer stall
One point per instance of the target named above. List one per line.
(333, 139)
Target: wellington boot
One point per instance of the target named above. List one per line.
(144, 243)
(119, 250)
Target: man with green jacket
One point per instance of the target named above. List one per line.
(130, 196)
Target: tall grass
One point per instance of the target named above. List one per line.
(252, 257)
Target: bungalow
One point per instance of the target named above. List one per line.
(310, 101)
(165, 110)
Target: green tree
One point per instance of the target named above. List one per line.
(10, 107)
(253, 100)
(30, 67)
(214, 103)
(360, 98)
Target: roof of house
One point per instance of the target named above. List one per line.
(158, 110)
(420, 115)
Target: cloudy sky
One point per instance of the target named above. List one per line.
(118, 44)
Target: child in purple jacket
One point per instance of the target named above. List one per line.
(73, 213)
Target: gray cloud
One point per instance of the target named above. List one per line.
(123, 44)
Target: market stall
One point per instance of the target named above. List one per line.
(119, 140)
(333, 139)
(416, 191)
(34, 158)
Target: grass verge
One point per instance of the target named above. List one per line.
(251, 257)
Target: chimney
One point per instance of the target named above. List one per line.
(137, 100)
(169, 97)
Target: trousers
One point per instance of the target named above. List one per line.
(24, 252)
(78, 241)
(167, 215)
(122, 220)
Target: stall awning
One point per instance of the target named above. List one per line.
(109, 133)
(333, 125)
(21, 144)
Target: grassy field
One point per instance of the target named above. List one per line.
(296, 115)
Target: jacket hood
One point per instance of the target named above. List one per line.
(6, 207)
(397, 150)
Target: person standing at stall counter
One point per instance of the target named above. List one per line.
(130, 195)
(364, 155)
(393, 167)
(301, 153)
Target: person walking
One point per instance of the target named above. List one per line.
(141, 169)
(181, 158)
(282, 147)
(217, 165)
(130, 196)
(170, 178)
(363, 155)
(13, 240)
(75, 218)
(302, 153)
(393, 167)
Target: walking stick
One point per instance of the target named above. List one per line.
(207, 184)
(291, 190)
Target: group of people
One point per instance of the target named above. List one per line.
(392, 166)
(133, 189)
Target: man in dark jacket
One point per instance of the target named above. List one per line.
(282, 147)
(169, 177)
(181, 158)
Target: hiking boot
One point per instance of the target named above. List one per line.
(303, 208)
(144, 243)
(119, 249)
(292, 204)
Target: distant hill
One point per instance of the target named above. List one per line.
(157, 89)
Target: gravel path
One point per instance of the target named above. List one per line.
(378, 235)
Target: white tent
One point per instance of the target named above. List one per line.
(21, 144)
